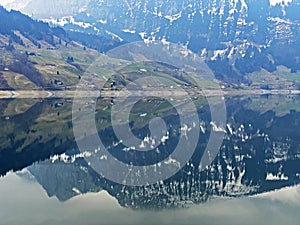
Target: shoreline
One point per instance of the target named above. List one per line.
(41, 94)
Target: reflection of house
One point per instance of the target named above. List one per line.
(58, 82)
(58, 105)
(156, 86)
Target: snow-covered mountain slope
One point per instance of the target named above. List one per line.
(41, 8)
(81, 5)
(15, 4)
(185, 21)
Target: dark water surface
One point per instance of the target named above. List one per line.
(253, 179)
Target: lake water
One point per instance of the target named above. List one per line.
(252, 176)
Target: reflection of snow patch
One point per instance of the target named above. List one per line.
(76, 190)
(185, 129)
(142, 145)
(172, 161)
(165, 138)
(276, 177)
(217, 128)
(104, 157)
(230, 129)
(127, 149)
(70, 159)
(203, 129)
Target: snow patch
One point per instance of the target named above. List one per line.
(114, 36)
(67, 20)
(18, 5)
(274, 2)
(218, 53)
(174, 17)
(128, 31)
(102, 21)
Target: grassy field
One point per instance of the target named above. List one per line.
(19, 81)
(282, 78)
(51, 62)
(62, 66)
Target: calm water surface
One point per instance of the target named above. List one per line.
(46, 179)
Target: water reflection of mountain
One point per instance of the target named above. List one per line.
(32, 131)
(260, 153)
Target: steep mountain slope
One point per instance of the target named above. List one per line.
(36, 56)
(40, 8)
(237, 37)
